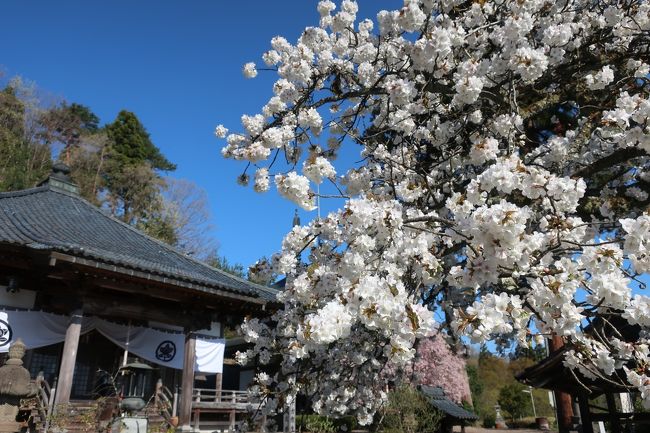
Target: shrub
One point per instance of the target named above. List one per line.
(345, 424)
(409, 411)
(315, 424)
(514, 401)
(489, 420)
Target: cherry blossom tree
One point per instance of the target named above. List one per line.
(437, 365)
(503, 182)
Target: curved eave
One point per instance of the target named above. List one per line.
(88, 263)
(551, 373)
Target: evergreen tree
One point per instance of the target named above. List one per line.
(131, 144)
(132, 184)
(221, 262)
(475, 386)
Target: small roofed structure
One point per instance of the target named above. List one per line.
(551, 373)
(453, 413)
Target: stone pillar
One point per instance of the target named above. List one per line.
(66, 371)
(187, 384)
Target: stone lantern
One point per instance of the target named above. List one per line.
(499, 421)
(134, 381)
(15, 384)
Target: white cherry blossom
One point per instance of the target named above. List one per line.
(490, 175)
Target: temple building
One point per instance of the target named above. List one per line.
(87, 293)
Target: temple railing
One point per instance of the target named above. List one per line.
(231, 402)
(166, 402)
(45, 396)
(223, 398)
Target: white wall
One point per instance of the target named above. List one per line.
(21, 299)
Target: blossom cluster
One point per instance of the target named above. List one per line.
(437, 365)
(503, 181)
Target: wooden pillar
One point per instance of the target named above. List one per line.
(68, 359)
(562, 399)
(218, 386)
(233, 421)
(585, 414)
(187, 384)
(614, 418)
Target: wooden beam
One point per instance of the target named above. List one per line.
(139, 309)
(48, 272)
(192, 300)
(92, 264)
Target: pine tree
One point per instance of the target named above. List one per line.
(131, 144)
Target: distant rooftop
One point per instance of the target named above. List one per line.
(438, 399)
(53, 217)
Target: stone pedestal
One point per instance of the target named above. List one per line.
(15, 384)
(8, 422)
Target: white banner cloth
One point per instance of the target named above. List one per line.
(209, 355)
(35, 328)
(164, 348)
(38, 329)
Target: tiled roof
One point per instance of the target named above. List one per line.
(51, 218)
(437, 398)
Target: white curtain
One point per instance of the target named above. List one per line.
(209, 355)
(35, 328)
(38, 329)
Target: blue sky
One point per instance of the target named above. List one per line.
(177, 65)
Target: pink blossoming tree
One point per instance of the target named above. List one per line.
(437, 365)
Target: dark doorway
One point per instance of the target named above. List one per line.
(97, 359)
(45, 359)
